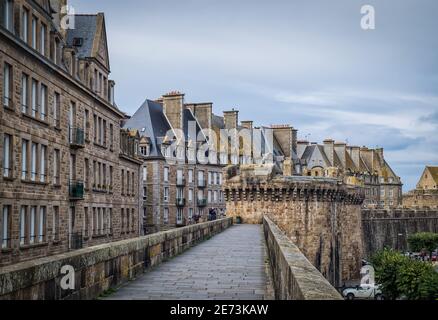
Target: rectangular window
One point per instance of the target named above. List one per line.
(23, 225)
(86, 124)
(43, 94)
(42, 225)
(25, 25)
(122, 218)
(190, 213)
(33, 162)
(145, 174)
(104, 132)
(215, 196)
(55, 224)
(7, 156)
(210, 176)
(166, 215)
(95, 127)
(34, 32)
(166, 174)
(123, 182)
(111, 142)
(43, 39)
(56, 167)
(34, 95)
(190, 173)
(6, 227)
(8, 13)
(24, 93)
(209, 196)
(24, 171)
(43, 163)
(190, 195)
(111, 178)
(110, 220)
(145, 193)
(86, 172)
(56, 110)
(179, 216)
(7, 86)
(166, 194)
(33, 212)
(86, 222)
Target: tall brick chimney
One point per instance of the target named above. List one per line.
(247, 124)
(231, 119)
(329, 149)
(286, 137)
(203, 113)
(341, 149)
(354, 153)
(173, 106)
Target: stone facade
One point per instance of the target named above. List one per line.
(321, 216)
(64, 182)
(391, 228)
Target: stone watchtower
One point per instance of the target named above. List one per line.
(320, 215)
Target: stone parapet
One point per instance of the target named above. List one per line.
(390, 228)
(294, 277)
(102, 267)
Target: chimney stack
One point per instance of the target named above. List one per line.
(231, 119)
(355, 155)
(173, 105)
(286, 137)
(247, 124)
(329, 149)
(340, 150)
(301, 147)
(203, 112)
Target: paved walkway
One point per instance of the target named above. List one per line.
(231, 265)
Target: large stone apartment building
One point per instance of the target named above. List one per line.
(69, 173)
(176, 193)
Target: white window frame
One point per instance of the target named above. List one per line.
(7, 84)
(7, 153)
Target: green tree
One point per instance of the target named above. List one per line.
(399, 276)
(387, 264)
(423, 241)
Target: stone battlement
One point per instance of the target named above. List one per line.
(321, 216)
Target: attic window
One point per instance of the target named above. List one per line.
(78, 42)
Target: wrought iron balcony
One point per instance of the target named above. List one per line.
(76, 137)
(202, 202)
(76, 189)
(180, 202)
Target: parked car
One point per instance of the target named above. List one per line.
(363, 291)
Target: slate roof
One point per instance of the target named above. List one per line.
(85, 28)
(151, 122)
(434, 173)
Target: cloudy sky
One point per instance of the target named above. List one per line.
(306, 63)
